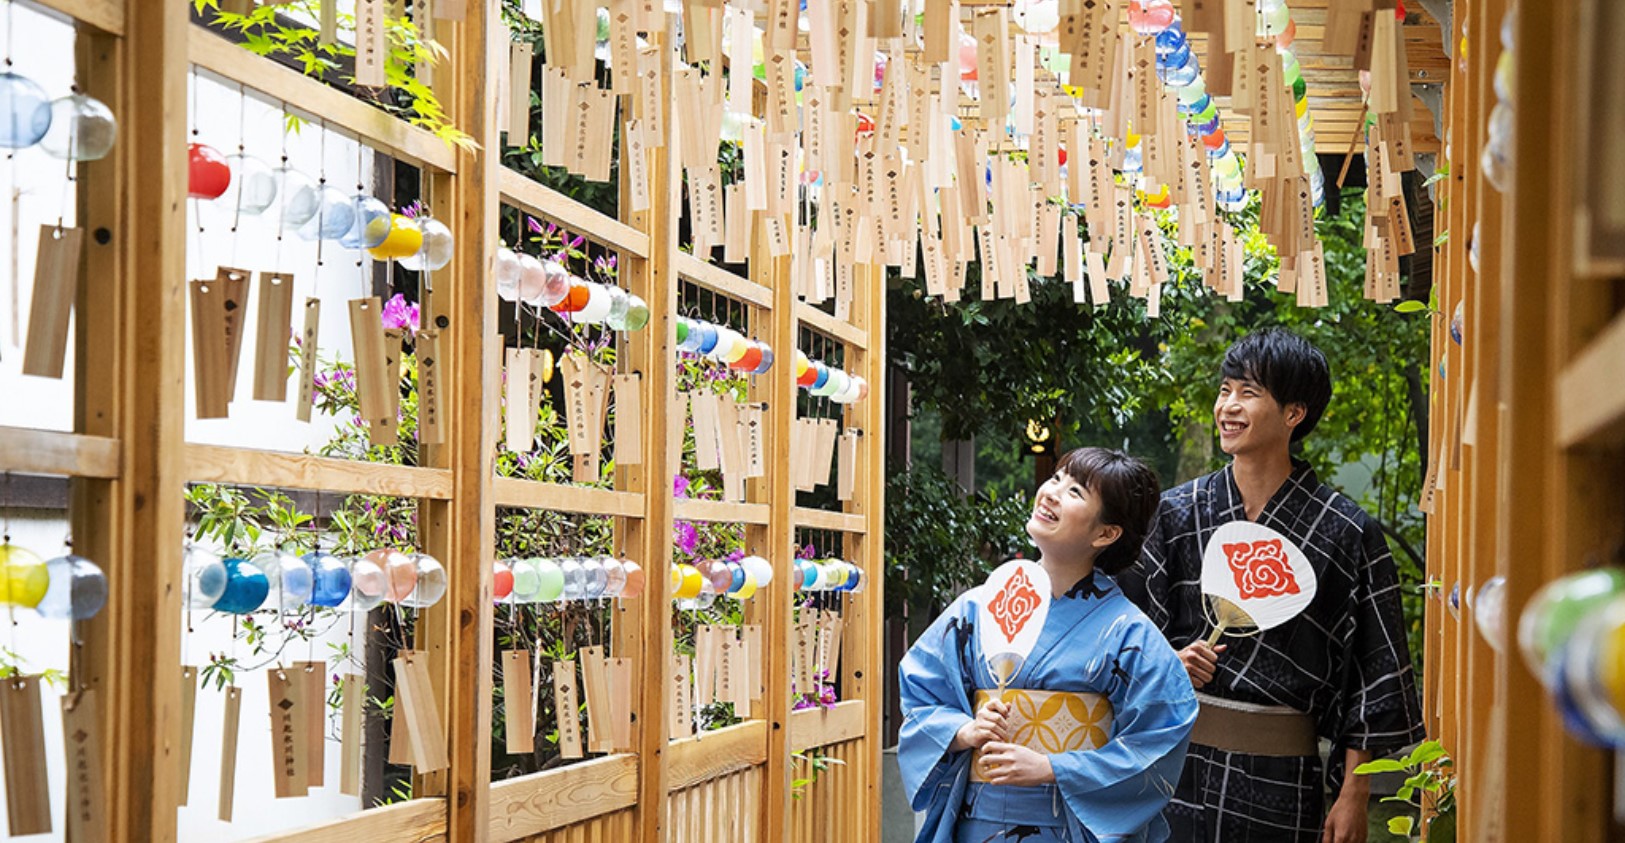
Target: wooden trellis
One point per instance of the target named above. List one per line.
(129, 462)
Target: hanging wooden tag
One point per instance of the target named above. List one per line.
(271, 336)
(314, 703)
(755, 447)
(188, 710)
(307, 358)
(211, 369)
(828, 431)
(846, 475)
(1094, 54)
(705, 408)
(56, 284)
(28, 794)
(682, 708)
(595, 684)
(577, 402)
(81, 733)
(371, 43)
(727, 645)
(557, 92)
(992, 31)
(705, 666)
(1151, 242)
(517, 716)
(620, 704)
(806, 655)
(288, 739)
(373, 387)
(400, 744)
(832, 642)
(800, 458)
(520, 413)
(941, 30)
(353, 702)
(750, 635)
(567, 708)
(228, 752)
(424, 732)
(732, 450)
(821, 645)
(988, 261)
(1099, 288)
(629, 419)
(430, 429)
(1072, 249)
(329, 24)
(736, 238)
(520, 56)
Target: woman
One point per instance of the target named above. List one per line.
(1090, 739)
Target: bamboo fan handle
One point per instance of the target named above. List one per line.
(1218, 632)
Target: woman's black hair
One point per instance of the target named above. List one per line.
(1289, 367)
(1128, 492)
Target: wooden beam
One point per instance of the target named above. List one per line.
(815, 727)
(719, 280)
(829, 326)
(317, 101)
(563, 497)
(105, 15)
(721, 512)
(29, 451)
(254, 467)
(712, 755)
(416, 820)
(564, 796)
(540, 200)
(1590, 394)
(823, 519)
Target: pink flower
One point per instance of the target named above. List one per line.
(399, 313)
(685, 536)
(679, 486)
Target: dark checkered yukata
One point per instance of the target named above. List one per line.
(1343, 661)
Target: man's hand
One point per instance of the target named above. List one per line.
(1014, 764)
(989, 725)
(1346, 823)
(1201, 661)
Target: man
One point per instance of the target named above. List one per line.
(1340, 670)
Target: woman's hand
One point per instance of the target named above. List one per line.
(989, 725)
(1014, 764)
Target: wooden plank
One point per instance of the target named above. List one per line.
(722, 512)
(1590, 394)
(823, 519)
(712, 755)
(539, 200)
(105, 15)
(251, 467)
(418, 820)
(815, 727)
(29, 451)
(335, 108)
(719, 280)
(565, 796)
(564, 497)
(828, 325)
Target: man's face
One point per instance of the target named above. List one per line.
(1250, 420)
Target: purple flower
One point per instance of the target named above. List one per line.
(807, 552)
(734, 556)
(685, 536)
(415, 210)
(679, 486)
(399, 313)
(534, 226)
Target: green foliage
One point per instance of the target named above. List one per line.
(12, 664)
(269, 30)
(816, 762)
(1429, 787)
(940, 541)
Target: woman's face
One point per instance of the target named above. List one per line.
(1066, 518)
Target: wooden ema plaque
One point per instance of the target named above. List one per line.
(81, 738)
(271, 336)
(28, 796)
(56, 284)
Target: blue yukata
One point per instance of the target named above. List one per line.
(1094, 641)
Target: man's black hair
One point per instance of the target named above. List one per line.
(1128, 492)
(1289, 367)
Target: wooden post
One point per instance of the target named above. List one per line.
(131, 363)
(461, 532)
(778, 598)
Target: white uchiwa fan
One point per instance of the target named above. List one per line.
(1255, 578)
(1010, 612)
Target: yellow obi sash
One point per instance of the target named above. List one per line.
(1050, 721)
